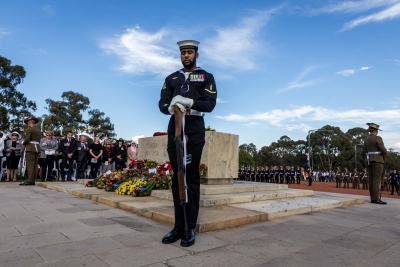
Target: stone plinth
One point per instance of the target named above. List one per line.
(220, 155)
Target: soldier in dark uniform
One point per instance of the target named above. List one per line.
(192, 90)
(376, 156)
(298, 175)
(253, 174)
(276, 175)
(394, 177)
(267, 174)
(287, 175)
(248, 174)
(281, 175)
(32, 149)
(292, 175)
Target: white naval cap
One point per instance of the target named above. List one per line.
(188, 44)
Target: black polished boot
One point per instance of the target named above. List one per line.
(187, 241)
(173, 236)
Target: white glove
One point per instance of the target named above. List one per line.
(176, 99)
(171, 108)
(184, 101)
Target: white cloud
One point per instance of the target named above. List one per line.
(354, 6)
(48, 9)
(4, 32)
(136, 138)
(352, 71)
(346, 72)
(238, 47)
(219, 100)
(279, 117)
(143, 52)
(389, 9)
(365, 68)
(389, 13)
(298, 82)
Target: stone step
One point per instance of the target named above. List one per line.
(240, 187)
(228, 199)
(211, 217)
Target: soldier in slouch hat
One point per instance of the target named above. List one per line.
(375, 152)
(32, 149)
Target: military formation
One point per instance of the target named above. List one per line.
(273, 174)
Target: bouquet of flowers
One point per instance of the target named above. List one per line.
(202, 169)
(150, 164)
(137, 164)
(144, 190)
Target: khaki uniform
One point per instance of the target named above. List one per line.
(346, 179)
(338, 178)
(374, 143)
(386, 182)
(356, 180)
(365, 180)
(32, 150)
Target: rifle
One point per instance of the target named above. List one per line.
(181, 167)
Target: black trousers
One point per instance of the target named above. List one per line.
(81, 168)
(194, 147)
(393, 186)
(47, 166)
(70, 162)
(309, 181)
(94, 168)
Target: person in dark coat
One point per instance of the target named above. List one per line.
(120, 155)
(68, 148)
(81, 156)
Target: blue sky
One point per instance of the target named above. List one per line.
(281, 67)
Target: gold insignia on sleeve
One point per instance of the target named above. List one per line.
(174, 78)
(164, 86)
(211, 87)
(165, 105)
(211, 92)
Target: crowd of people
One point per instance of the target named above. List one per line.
(66, 158)
(290, 175)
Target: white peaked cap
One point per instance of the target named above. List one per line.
(188, 44)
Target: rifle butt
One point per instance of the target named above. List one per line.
(181, 186)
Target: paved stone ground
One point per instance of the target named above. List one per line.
(331, 187)
(42, 227)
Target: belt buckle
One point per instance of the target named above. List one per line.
(187, 111)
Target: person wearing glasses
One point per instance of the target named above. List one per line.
(108, 155)
(13, 154)
(193, 91)
(48, 146)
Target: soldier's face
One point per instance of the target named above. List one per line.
(69, 135)
(188, 57)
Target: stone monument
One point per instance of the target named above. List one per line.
(220, 155)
